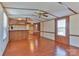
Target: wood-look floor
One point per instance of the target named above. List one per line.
(35, 46)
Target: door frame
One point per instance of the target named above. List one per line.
(67, 27)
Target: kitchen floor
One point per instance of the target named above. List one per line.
(35, 46)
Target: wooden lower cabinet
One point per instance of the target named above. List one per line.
(18, 34)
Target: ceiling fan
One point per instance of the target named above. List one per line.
(41, 13)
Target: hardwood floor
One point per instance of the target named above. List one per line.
(35, 46)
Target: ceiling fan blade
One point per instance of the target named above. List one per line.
(37, 13)
(45, 15)
(42, 14)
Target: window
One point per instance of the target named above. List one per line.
(61, 27)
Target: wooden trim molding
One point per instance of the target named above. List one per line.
(74, 35)
(48, 32)
(67, 7)
(47, 38)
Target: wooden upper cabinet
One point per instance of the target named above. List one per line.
(17, 22)
(12, 21)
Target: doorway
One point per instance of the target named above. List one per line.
(36, 29)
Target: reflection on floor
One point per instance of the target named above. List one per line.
(39, 47)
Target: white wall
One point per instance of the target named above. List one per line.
(48, 26)
(74, 29)
(74, 41)
(3, 31)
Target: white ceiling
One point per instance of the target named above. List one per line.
(74, 6)
(53, 8)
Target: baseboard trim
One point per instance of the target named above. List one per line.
(74, 46)
(47, 38)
